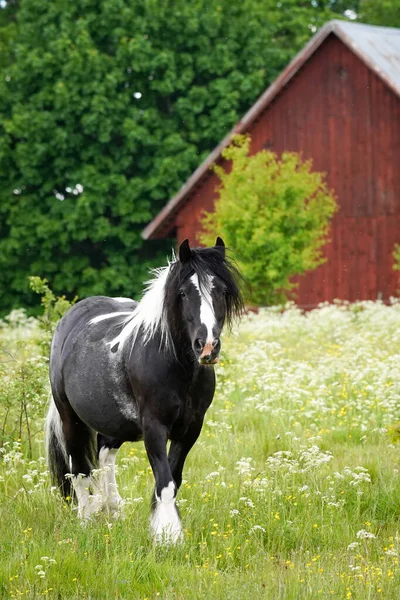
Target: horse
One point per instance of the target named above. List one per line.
(124, 371)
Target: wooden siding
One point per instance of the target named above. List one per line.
(339, 113)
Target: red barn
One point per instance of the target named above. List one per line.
(338, 103)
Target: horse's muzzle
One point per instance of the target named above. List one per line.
(209, 354)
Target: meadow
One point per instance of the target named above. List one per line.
(291, 492)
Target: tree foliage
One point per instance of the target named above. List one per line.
(274, 214)
(384, 12)
(107, 106)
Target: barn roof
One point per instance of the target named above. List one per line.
(377, 47)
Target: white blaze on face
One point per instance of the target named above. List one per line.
(207, 316)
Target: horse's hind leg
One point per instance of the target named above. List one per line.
(80, 446)
(107, 453)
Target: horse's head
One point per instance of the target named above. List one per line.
(207, 292)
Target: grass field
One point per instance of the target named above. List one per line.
(292, 491)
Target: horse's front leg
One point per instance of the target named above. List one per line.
(165, 522)
(179, 449)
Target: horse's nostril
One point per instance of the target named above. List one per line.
(199, 344)
(215, 342)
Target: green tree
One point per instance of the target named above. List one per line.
(274, 214)
(7, 30)
(384, 12)
(107, 106)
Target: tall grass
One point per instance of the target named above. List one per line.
(291, 492)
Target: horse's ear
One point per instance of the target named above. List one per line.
(184, 251)
(220, 244)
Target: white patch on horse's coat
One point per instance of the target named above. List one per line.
(110, 316)
(148, 314)
(119, 392)
(121, 299)
(126, 407)
(165, 522)
(207, 316)
(108, 483)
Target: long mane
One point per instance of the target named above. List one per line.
(151, 316)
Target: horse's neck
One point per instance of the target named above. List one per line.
(182, 348)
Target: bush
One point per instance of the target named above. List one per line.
(396, 257)
(24, 383)
(54, 307)
(274, 215)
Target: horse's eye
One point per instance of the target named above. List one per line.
(182, 294)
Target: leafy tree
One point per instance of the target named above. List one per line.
(107, 106)
(384, 12)
(274, 214)
(7, 29)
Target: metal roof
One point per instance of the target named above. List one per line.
(377, 47)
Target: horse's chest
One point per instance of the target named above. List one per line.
(191, 411)
(182, 424)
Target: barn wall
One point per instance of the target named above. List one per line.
(201, 200)
(340, 114)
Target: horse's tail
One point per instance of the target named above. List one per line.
(57, 457)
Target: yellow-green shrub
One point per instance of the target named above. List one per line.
(274, 215)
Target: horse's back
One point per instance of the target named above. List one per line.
(88, 311)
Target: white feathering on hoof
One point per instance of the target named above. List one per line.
(108, 483)
(165, 522)
(88, 504)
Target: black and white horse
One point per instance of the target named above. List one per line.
(124, 371)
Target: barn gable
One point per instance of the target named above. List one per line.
(337, 102)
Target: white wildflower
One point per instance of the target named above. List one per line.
(304, 488)
(257, 528)
(212, 475)
(243, 466)
(353, 545)
(363, 534)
